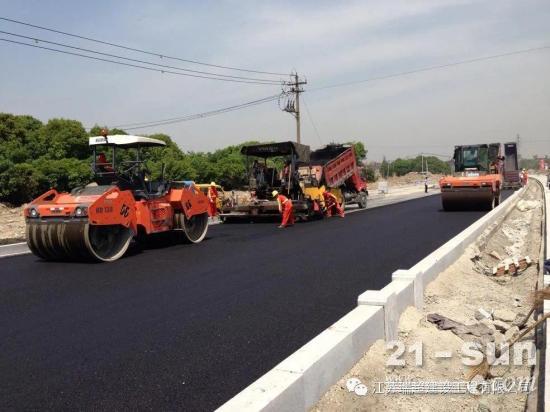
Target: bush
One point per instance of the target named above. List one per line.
(19, 183)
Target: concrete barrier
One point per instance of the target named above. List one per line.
(545, 373)
(300, 380)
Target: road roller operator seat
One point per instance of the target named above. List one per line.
(127, 174)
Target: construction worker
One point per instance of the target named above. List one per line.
(103, 165)
(213, 200)
(426, 184)
(285, 208)
(524, 177)
(331, 204)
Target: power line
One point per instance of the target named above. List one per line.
(310, 117)
(266, 81)
(161, 55)
(163, 122)
(134, 65)
(429, 68)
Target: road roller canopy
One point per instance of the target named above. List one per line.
(125, 141)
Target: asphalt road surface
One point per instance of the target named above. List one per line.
(189, 326)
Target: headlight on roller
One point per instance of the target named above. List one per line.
(33, 212)
(81, 211)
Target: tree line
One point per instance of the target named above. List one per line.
(36, 156)
(401, 167)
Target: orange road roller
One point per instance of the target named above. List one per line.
(98, 222)
(477, 180)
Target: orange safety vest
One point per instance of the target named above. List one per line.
(282, 200)
(212, 193)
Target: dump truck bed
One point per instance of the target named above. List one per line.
(339, 166)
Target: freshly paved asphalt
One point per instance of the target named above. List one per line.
(189, 326)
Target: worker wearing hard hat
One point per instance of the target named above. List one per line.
(285, 208)
(331, 204)
(212, 200)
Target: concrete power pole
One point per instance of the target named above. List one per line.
(293, 107)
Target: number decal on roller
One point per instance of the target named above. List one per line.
(124, 210)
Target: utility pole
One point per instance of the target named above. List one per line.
(293, 105)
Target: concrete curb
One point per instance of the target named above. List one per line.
(545, 373)
(298, 382)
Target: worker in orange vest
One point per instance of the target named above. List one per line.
(285, 208)
(213, 200)
(103, 165)
(524, 177)
(331, 204)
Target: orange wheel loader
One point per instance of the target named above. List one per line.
(98, 222)
(477, 179)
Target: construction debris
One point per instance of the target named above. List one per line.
(458, 294)
(512, 266)
(500, 325)
(495, 255)
(478, 332)
(524, 205)
(504, 315)
(482, 314)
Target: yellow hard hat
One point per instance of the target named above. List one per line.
(212, 183)
(274, 193)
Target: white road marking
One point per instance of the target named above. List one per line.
(13, 244)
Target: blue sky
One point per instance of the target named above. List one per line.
(328, 42)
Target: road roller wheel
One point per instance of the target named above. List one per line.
(107, 243)
(194, 229)
(77, 241)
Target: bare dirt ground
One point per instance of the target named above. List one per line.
(12, 224)
(410, 179)
(457, 293)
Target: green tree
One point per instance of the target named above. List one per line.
(64, 138)
(19, 183)
(360, 150)
(368, 174)
(62, 174)
(19, 138)
(96, 131)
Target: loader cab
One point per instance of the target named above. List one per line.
(279, 173)
(118, 160)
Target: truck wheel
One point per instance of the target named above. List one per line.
(362, 203)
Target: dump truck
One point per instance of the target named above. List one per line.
(303, 176)
(477, 178)
(512, 179)
(335, 167)
(98, 221)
